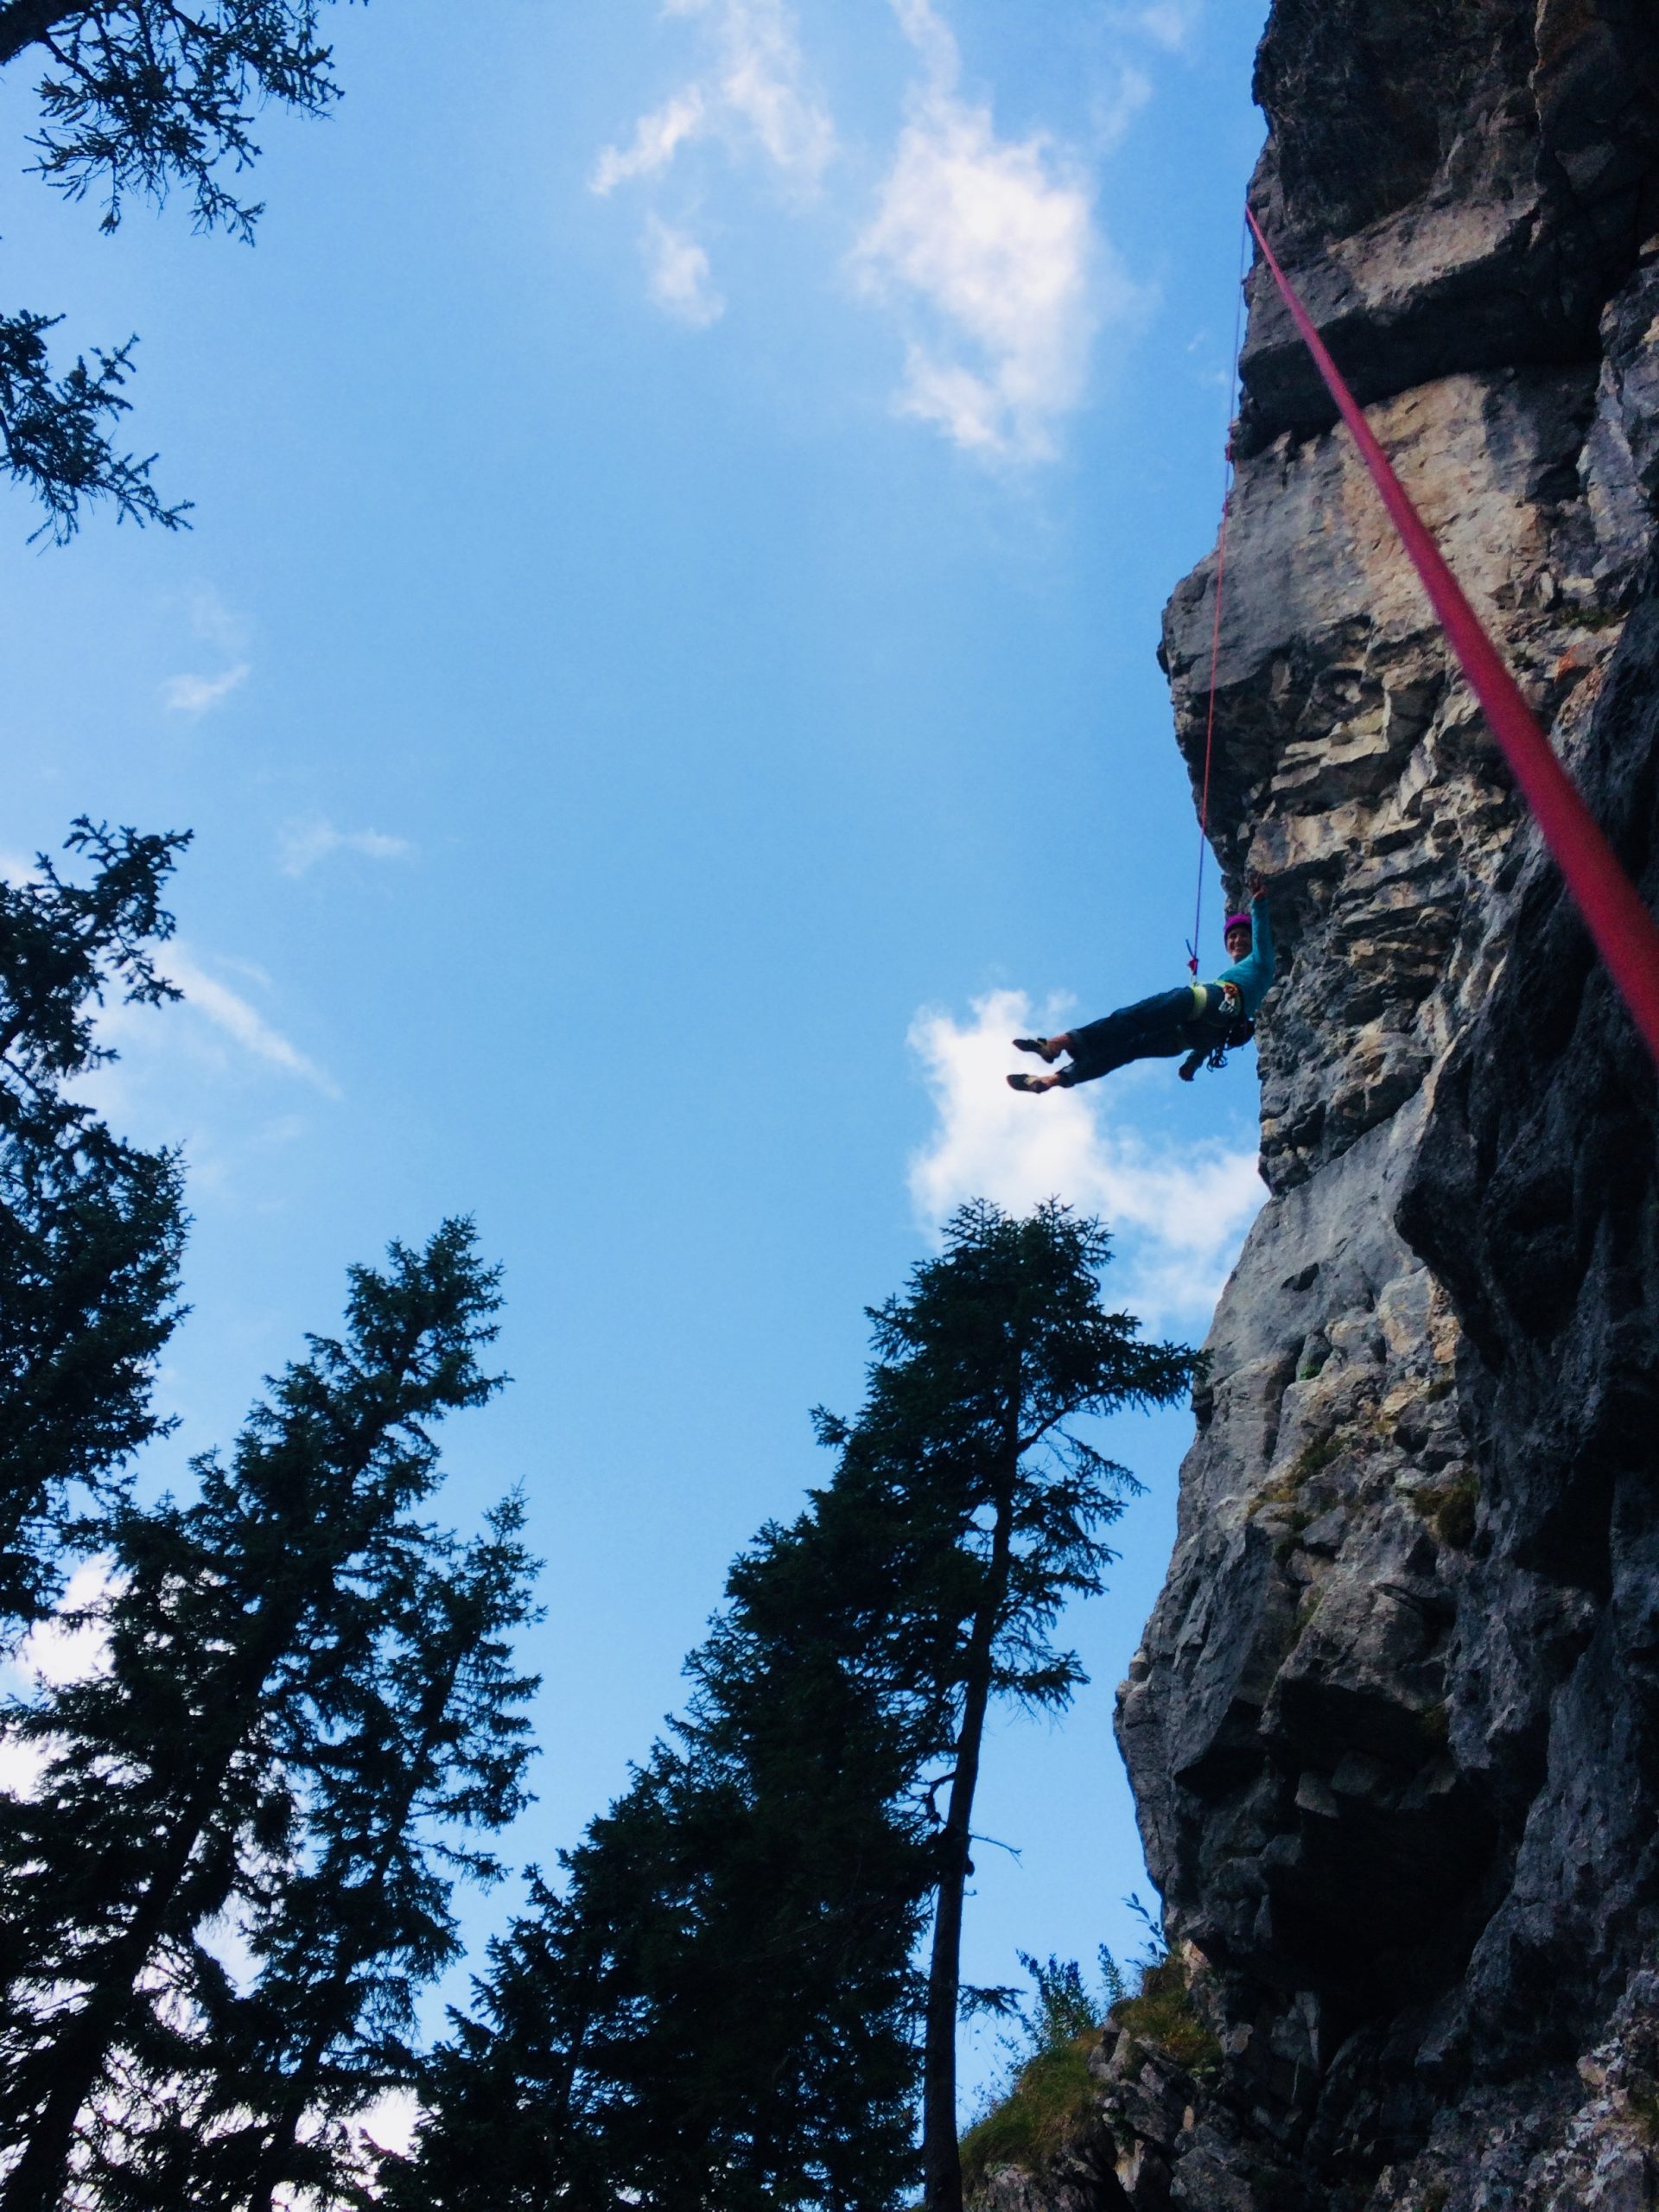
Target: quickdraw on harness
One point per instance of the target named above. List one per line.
(1227, 1026)
(1239, 1027)
(1623, 930)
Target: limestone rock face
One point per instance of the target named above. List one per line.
(1394, 1729)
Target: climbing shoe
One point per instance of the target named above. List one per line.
(1020, 1081)
(1041, 1046)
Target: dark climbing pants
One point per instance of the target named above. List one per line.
(1152, 1029)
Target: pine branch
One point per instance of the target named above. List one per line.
(54, 434)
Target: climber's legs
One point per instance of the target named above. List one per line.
(1152, 1029)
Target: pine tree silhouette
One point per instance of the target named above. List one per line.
(718, 2004)
(92, 1228)
(301, 1675)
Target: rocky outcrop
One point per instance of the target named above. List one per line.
(1393, 1730)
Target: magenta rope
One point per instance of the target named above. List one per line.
(1623, 931)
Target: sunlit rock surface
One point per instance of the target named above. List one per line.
(1393, 1730)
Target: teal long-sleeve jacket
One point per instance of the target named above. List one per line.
(1253, 974)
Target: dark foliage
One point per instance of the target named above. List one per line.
(717, 2005)
(993, 1507)
(55, 433)
(136, 97)
(143, 96)
(306, 1690)
(91, 1229)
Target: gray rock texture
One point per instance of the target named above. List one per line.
(1394, 1729)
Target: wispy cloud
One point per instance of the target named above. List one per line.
(753, 98)
(302, 844)
(236, 1018)
(657, 138)
(990, 250)
(678, 276)
(194, 695)
(213, 624)
(761, 84)
(1111, 113)
(1179, 1214)
(1171, 24)
(55, 1651)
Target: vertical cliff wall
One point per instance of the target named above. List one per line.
(1393, 1730)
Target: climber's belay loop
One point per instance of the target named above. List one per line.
(1623, 931)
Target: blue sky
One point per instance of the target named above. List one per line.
(662, 682)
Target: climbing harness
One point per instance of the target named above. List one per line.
(1624, 931)
(1215, 633)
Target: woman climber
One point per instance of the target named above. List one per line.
(1201, 1019)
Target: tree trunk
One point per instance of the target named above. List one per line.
(941, 2155)
(941, 2161)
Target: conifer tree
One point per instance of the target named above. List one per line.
(717, 2005)
(430, 1746)
(292, 1689)
(149, 98)
(92, 1228)
(986, 1509)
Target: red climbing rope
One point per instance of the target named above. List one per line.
(1624, 932)
(1209, 726)
(1215, 634)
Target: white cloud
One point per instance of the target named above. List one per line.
(990, 248)
(216, 625)
(1180, 1213)
(1169, 23)
(302, 844)
(194, 695)
(678, 276)
(55, 1651)
(232, 1014)
(752, 98)
(657, 138)
(390, 2122)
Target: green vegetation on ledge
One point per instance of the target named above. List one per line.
(1048, 2105)
(1161, 2013)
(1053, 2106)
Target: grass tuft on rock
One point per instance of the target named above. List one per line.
(1050, 2104)
(1162, 2013)
(1052, 2109)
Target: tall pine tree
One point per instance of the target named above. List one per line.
(92, 1228)
(301, 1675)
(715, 2006)
(988, 1508)
(428, 1747)
(718, 2007)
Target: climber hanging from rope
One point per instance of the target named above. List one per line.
(1204, 1020)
